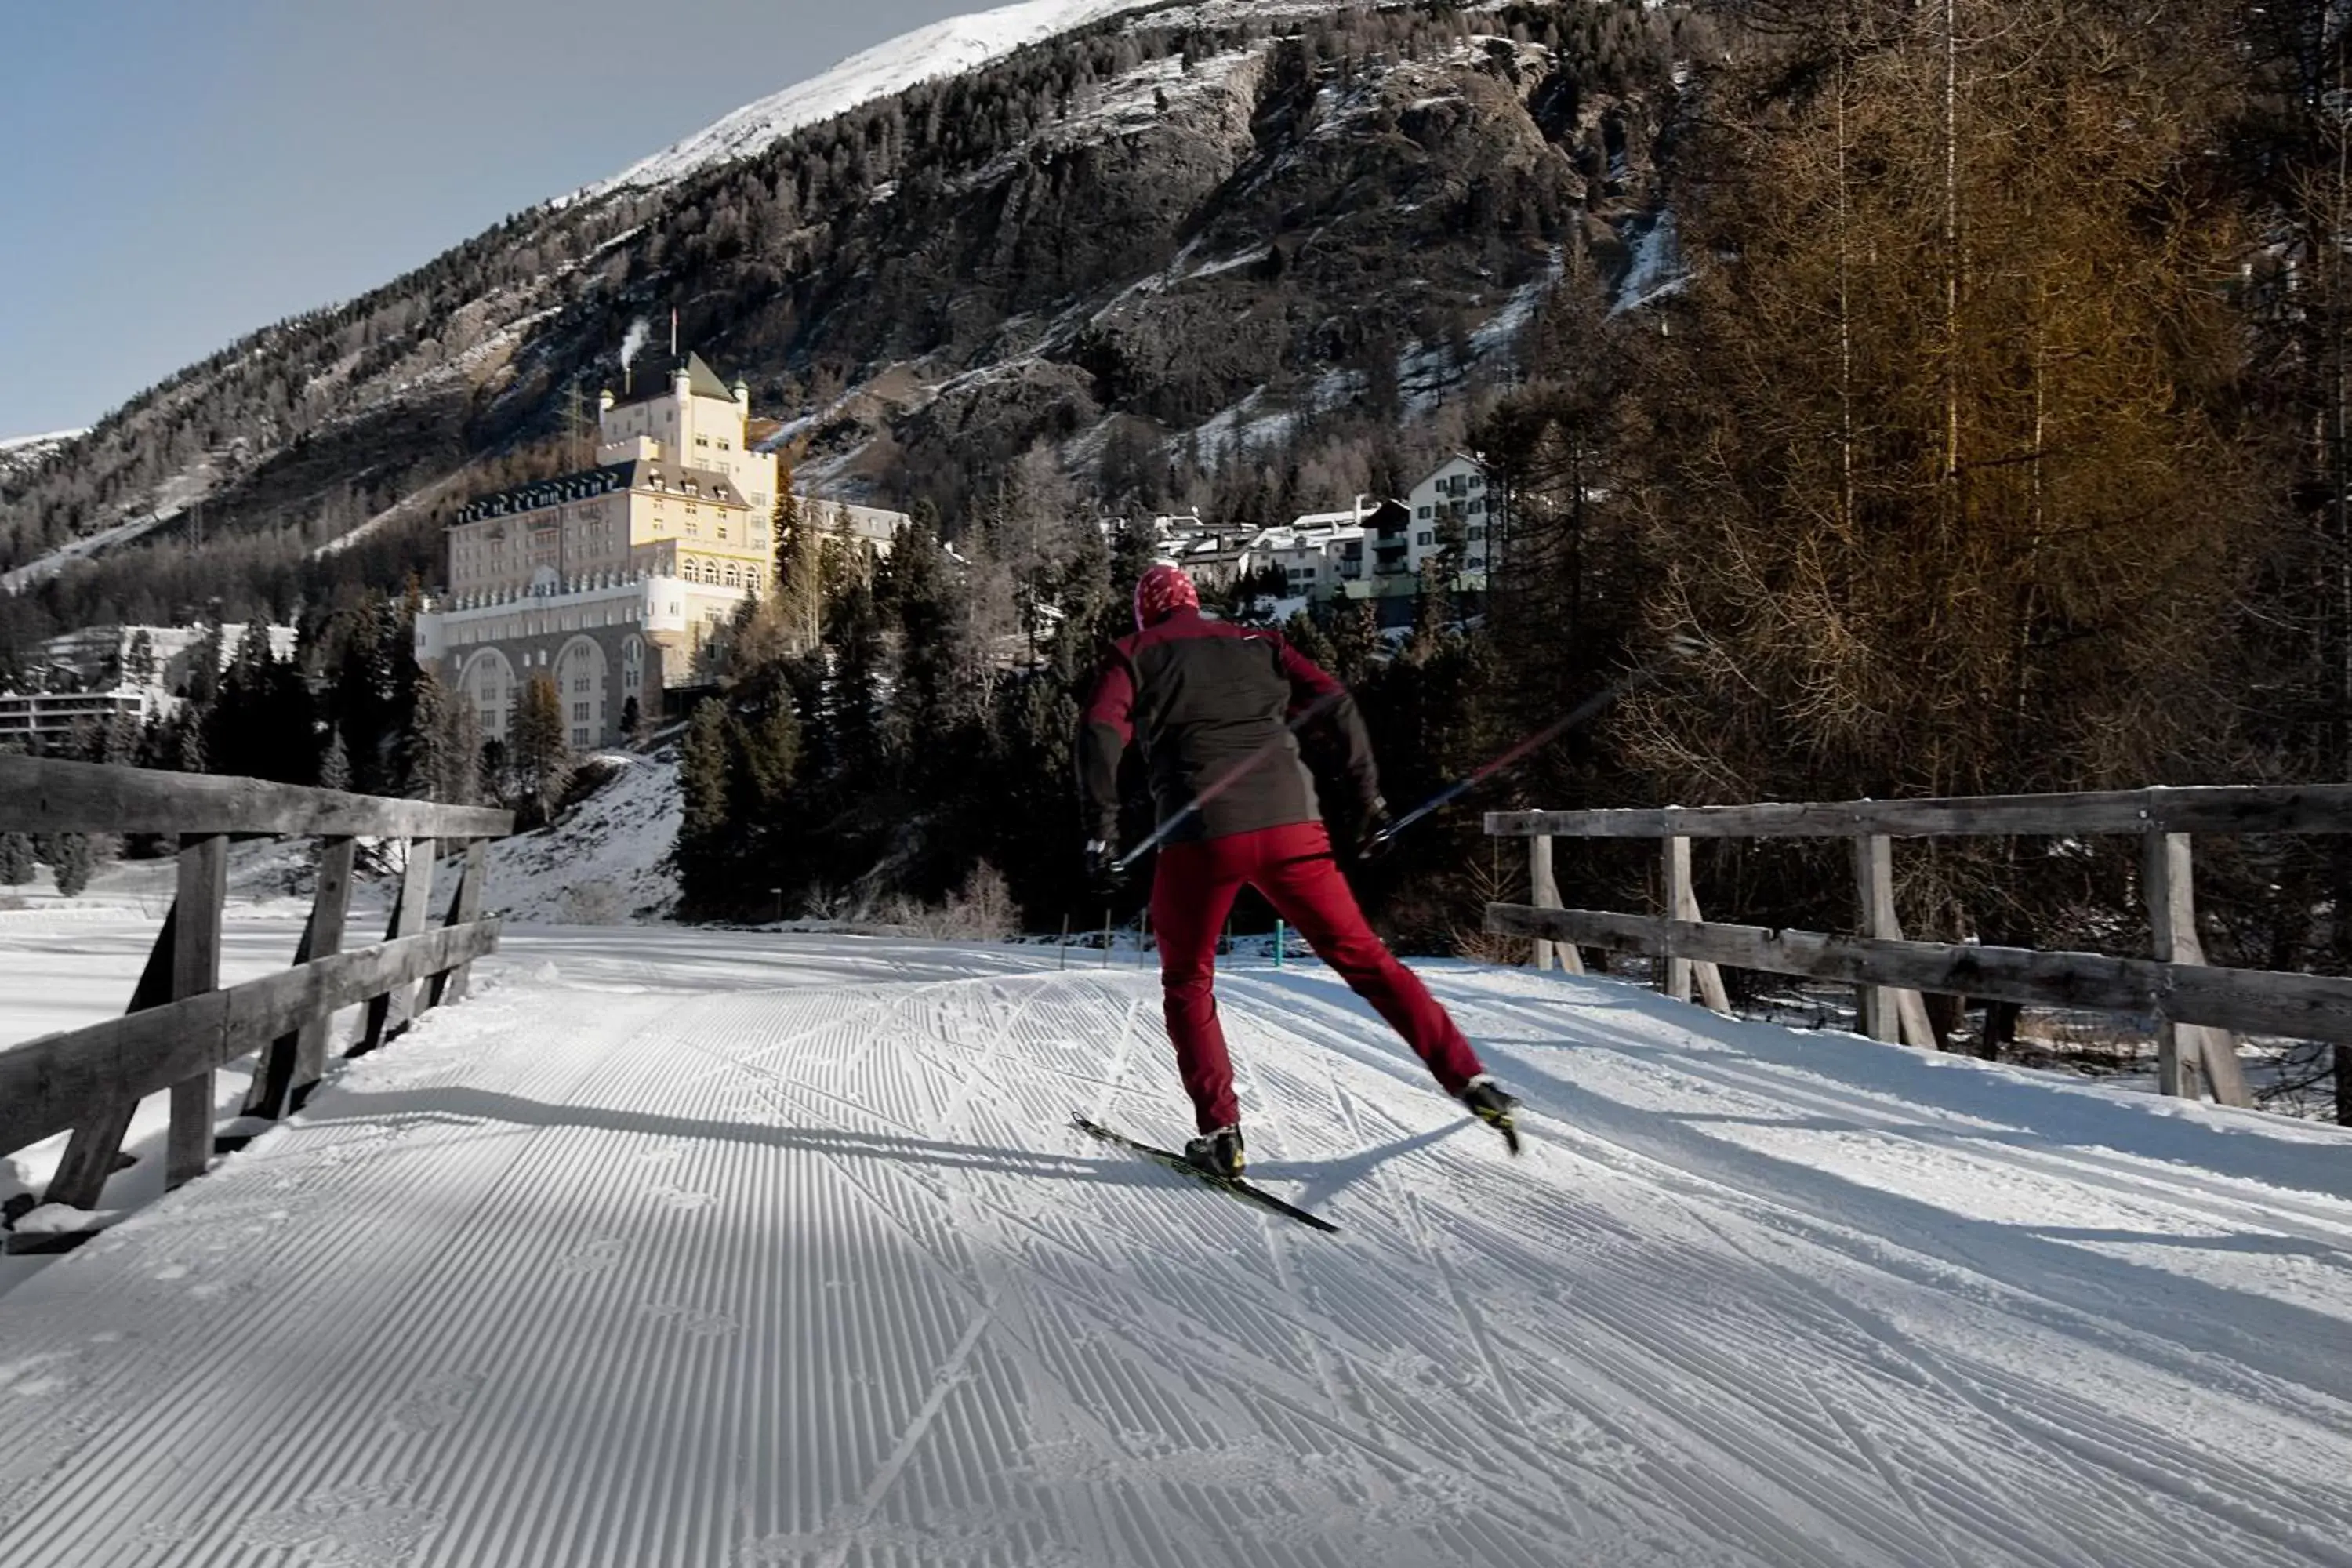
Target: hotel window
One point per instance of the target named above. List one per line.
(1424, 538)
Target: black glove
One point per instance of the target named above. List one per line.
(1375, 830)
(1104, 873)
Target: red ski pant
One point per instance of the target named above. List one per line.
(1192, 894)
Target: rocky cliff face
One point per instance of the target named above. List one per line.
(1154, 243)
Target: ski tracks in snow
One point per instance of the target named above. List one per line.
(815, 1273)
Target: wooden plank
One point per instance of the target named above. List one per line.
(296, 1058)
(2222, 808)
(2251, 1001)
(196, 972)
(390, 1012)
(45, 1084)
(464, 908)
(2184, 1050)
(44, 795)
(1887, 1012)
(81, 1179)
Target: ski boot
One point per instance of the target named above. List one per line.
(1219, 1153)
(1491, 1105)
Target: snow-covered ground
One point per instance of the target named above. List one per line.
(607, 862)
(691, 1247)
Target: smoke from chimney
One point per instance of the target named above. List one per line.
(635, 339)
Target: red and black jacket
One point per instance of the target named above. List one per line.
(1216, 708)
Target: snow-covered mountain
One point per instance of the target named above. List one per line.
(19, 453)
(942, 49)
(1157, 236)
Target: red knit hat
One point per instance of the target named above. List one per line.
(1162, 592)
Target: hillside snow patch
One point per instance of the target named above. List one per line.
(945, 49)
(605, 862)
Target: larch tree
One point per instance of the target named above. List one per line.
(1941, 481)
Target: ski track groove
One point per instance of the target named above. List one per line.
(589, 1324)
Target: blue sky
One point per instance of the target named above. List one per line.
(176, 173)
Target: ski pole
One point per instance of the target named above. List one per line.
(1233, 776)
(1581, 713)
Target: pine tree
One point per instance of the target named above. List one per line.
(72, 858)
(461, 776)
(17, 864)
(425, 746)
(1355, 639)
(853, 706)
(703, 829)
(540, 753)
(139, 667)
(335, 766)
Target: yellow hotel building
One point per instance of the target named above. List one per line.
(608, 581)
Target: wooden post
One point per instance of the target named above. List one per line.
(2181, 1049)
(195, 970)
(1886, 1012)
(391, 1011)
(90, 1153)
(465, 909)
(1544, 889)
(1674, 974)
(1682, 904)
(295, 1062)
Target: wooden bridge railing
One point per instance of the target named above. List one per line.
(181, 1026)
(2196, 1006)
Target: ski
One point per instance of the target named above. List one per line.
(1233, 1185)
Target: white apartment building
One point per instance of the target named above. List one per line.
(1459, 490)
(51, 717)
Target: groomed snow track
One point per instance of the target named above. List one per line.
(675, 1249)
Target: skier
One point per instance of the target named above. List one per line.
(1216, 707)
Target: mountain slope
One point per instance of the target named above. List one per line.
(1135, 241)
(944, 49)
